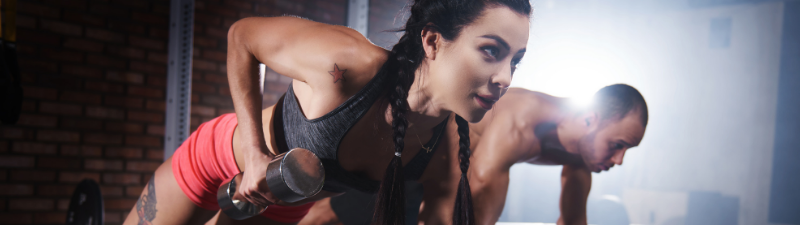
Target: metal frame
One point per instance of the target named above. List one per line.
(358, 15)
(179, 75)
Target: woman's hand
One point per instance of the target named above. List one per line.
(254, 184)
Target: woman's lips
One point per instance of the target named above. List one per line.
(485, 102)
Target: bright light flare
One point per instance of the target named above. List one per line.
(571, 65)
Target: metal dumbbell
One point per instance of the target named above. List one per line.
(291, 176)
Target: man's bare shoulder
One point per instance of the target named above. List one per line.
(527, 107)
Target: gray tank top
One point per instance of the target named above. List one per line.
(324, 134)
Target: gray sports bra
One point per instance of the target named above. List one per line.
(324, 134)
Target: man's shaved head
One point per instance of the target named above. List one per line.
(617, 101)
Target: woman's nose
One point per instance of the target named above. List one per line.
(503, 78)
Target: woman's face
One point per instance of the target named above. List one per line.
(471, 72)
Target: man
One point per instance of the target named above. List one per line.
(533, 127)
(536, 128)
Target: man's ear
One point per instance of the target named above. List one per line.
(431, 40)
(590, 120)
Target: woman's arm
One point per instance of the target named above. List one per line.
(506, 140)
(489, 191)
(321, 214)
(440, 180)
(489, 174)
(246, 96)
(305, 51)
(439, 197)
(328, 63)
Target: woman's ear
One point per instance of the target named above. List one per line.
(431, 39)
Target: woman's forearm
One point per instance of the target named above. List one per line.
(244, 86)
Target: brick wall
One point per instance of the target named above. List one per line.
(94, 79)
(94, 74)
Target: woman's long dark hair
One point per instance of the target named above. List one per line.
(447, 17)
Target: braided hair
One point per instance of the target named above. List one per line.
(447, 17)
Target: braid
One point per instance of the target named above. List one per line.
(391, 201)
(463, 213)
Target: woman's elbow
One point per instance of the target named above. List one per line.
(233, 31)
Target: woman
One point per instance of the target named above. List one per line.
(349, 103)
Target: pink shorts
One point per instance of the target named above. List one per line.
(206, 159)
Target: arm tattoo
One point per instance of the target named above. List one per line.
(146, 206)
(337, 74)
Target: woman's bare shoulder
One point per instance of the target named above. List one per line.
(308, 51)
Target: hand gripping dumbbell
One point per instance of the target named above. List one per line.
(291, 176)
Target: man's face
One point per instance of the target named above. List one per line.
(604, 147)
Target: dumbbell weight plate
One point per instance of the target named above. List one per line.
(295, 175)
(86, 205)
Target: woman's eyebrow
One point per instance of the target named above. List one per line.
(498, 39)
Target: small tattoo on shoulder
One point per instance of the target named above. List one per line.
(146, 206)
(337, 74)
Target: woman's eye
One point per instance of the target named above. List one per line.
(514, 67)
(515, 63)
(491, 51)
(618, 146)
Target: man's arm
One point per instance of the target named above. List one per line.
(576, 182)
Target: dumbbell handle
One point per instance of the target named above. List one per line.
(233, 204)
(291, 176)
